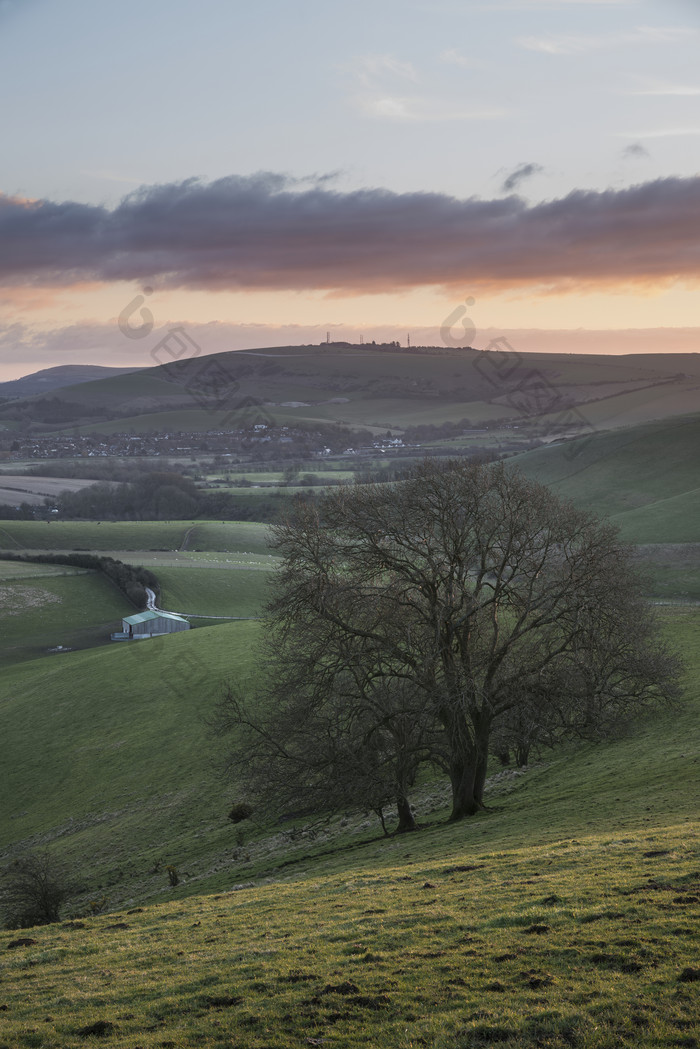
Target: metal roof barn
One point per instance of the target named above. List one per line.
(153, 624)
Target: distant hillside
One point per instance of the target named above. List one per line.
(372, 387)
(49, 379)
(645, 478)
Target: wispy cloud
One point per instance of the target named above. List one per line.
(518, 175)
(572, 44)
(664, 132)
(635, 150)
(525, 5)
(265, 231)
(660, 89)
(427, 110)
(382, 93)
(452, 57)
(373, 68)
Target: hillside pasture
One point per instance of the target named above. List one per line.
(212, 588)
(564, 916)
(42, 611)
(672, 520)
(133, 536)
(111, 757)
(636, 407)
(623, 473)
(382, 390)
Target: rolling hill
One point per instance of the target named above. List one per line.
(51, 379)
(370, 387)
(645, 478)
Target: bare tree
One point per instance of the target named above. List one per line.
(475, 595)
(34, 889)
(307, 743)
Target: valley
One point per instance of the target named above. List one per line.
(562, 915)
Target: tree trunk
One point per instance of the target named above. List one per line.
(480, 777)
(468, 775)
(406, 820)
(464, 799)
(380, 816)
(522, 753)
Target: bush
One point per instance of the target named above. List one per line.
(34, 889)
(240, 811)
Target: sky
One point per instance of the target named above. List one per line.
(265, 174)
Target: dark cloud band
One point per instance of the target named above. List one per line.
(266, 231)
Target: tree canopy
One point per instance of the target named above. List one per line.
(417, 622)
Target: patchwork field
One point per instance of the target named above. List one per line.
(18, 488)
(214, 569)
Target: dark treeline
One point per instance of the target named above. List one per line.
(56, 412)
(161, 496)
(156, 496)
(99, 468)
(23, 512)
(132, 580)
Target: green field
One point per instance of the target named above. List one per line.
(89, 535)
(112, 759)
(212, 588)
(40, 611)
(625, 473)
(12, 570)
(562, 916)
(133, 535)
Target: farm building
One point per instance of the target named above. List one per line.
(150, 624)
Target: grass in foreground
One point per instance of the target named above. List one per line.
(585, 943)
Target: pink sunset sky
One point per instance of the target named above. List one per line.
(263, 177)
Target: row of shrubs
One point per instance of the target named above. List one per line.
(132, 580)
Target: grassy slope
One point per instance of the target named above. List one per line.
(40, 611)
(427, 940)
(383, 389)
(672, 520)
(626, 474)
(110, 758)
(212, 588)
